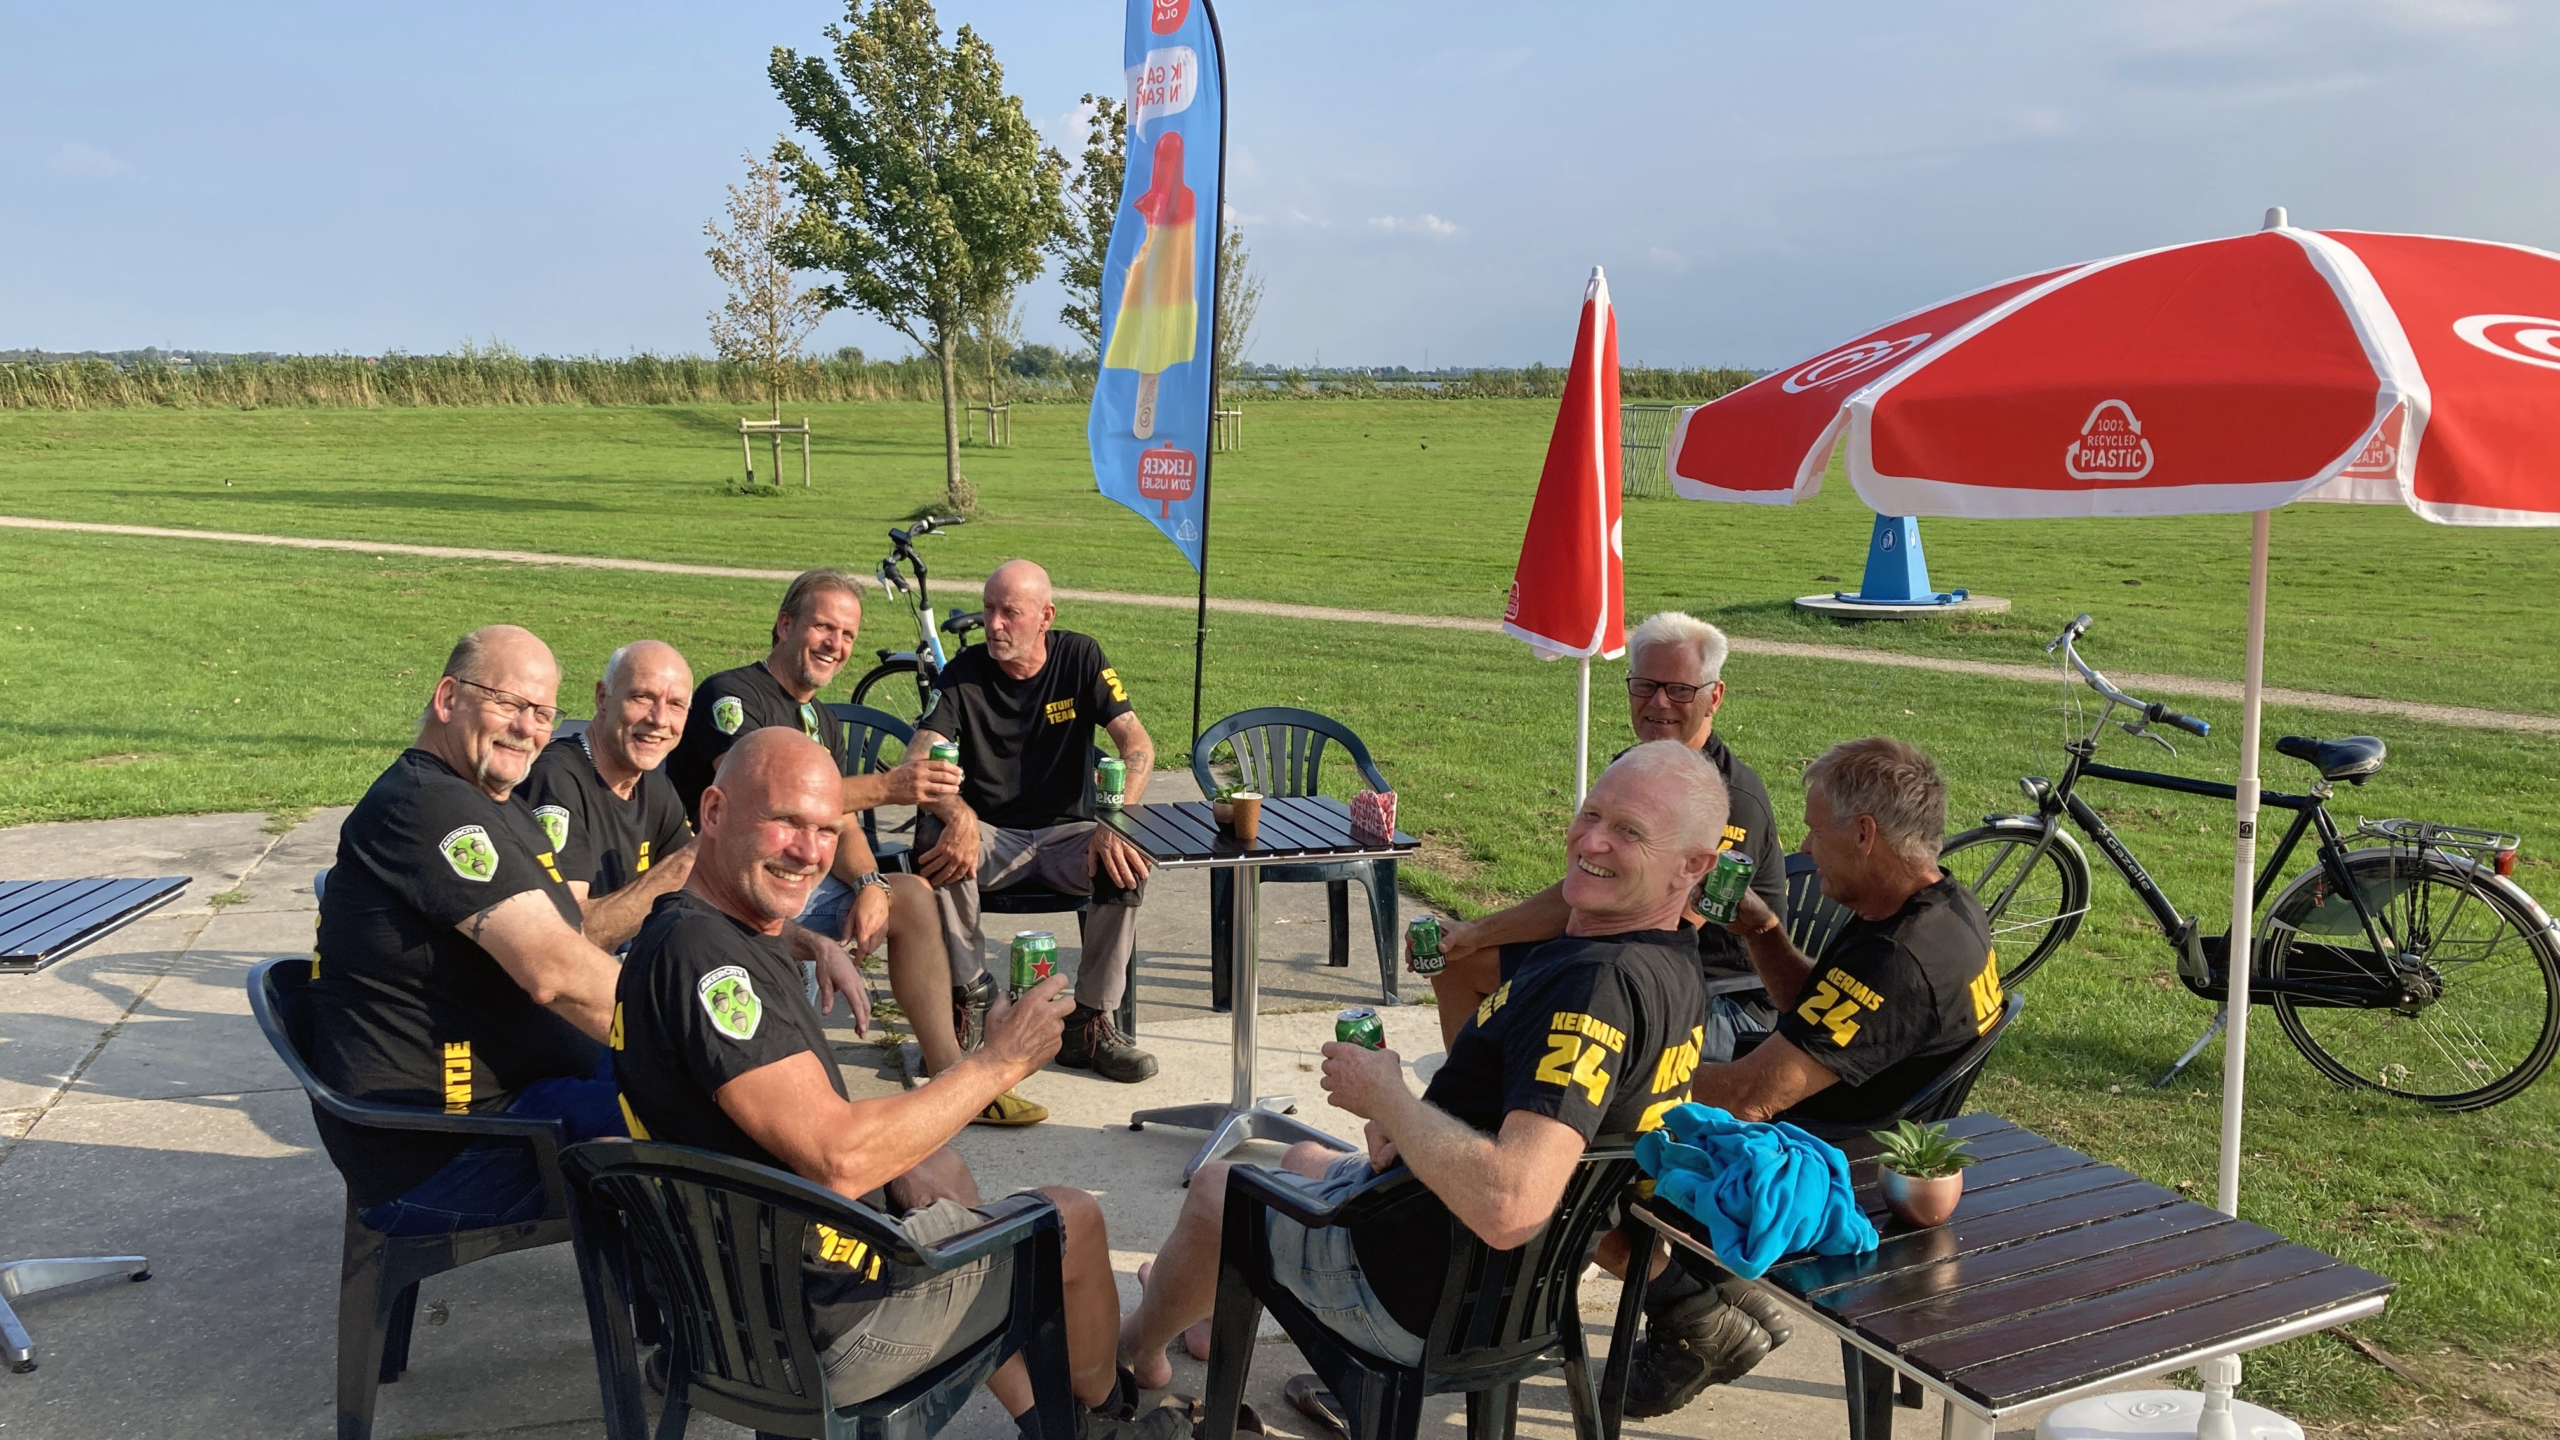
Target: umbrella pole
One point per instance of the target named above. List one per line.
(1582, 738)
(2222, 1373)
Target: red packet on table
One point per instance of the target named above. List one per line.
(1373, 815)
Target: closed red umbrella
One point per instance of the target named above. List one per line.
(2229, 375)
(1568, 594)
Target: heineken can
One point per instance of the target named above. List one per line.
(946, 751)
(1359, 1026)
(1424, 934)
(1110, 784)
(1035, 958)
(1720, 896)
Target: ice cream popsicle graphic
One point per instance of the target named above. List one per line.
(1159, 321)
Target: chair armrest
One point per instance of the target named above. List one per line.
(1009, 1222)
(1267, 1190)
(412, 1117)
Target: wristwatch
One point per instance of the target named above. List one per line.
(872, 880)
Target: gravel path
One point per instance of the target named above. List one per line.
(2183, 686)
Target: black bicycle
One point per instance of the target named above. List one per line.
(921, 666)
(2414, 966)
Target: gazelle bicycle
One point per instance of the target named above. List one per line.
(2410, 965)
(920, 667)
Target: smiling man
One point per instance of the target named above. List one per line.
(450, 971)
(1595, 1032)
(856, 904)
(611, 814)
(721, 1050)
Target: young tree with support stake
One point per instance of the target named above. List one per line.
(767, 315)
(930, 195)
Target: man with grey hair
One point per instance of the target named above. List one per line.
(1900, 993)
(1675, 685)
(449, 970)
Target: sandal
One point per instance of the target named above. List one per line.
(1307, 1394)
(1247, 1422)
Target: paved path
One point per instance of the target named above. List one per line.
(2184, 686)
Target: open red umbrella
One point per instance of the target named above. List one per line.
(1568, 595)
(2229, 375)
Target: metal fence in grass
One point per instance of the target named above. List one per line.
(1643, 431)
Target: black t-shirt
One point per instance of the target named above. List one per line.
(406, 1009)
(729, 705)
(1600, 1032)
(1026, 744)
(1895, 1001)
(1751, 826)
(702, 1001)
(600, 837)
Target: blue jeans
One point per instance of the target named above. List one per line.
(494, 1182)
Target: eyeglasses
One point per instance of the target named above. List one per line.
(510, 706)
(1643, 689)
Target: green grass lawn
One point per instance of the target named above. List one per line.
(142, 677)
(2365, 600)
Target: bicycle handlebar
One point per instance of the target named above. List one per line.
(2153, 712)
(2159, 714)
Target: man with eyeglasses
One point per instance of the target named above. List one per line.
(450, 970)
(813, 636)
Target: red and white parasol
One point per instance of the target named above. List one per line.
(1568, 595)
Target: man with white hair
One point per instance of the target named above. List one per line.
(1592, 1033)
(1023, 705)
(449, 970)
(1904, 989)
(1675, 685)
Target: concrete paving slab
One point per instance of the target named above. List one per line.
(215, 849)
(166, 1049)
(57, 1017)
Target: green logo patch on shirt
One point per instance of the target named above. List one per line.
(470, 853)
(555, 823)
(729, 998)
(728, 714)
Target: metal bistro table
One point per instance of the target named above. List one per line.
(42, 921)
(2057, 1277)
(1184, 835)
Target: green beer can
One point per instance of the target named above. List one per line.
(1359, 1026)
(1424, 932)
(1720, 897)
(1035, 958)
(1110, 783)
(946, 751)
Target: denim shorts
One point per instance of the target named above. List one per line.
(882, 1344)
(1320, 1268)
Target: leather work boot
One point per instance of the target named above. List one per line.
(1094, 1043)
(1757, 1303)
(970, 1001)
(1694, 1343)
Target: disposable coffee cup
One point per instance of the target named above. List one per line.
(1248, 807)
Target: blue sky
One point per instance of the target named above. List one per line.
(1424, 179)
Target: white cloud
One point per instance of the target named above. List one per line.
(1423, 224)
(86, 162)
(1669, 261)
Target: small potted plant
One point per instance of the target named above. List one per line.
(1923, 1172)
(1222, 805)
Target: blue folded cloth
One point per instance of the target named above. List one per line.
(1765, 1191)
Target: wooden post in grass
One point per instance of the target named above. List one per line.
(774, 430)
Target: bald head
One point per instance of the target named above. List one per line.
(493, 707)
(769, 824)
(1645, 836)
(641, 705)
(1019, 612)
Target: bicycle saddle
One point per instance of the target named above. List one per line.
(2355, 759)
(961, 622)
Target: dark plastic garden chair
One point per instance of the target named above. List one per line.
(1503, 1315)
(378, 1273)
(1814, 919)
(875, 740)
(720, 1241)
(1278, 751)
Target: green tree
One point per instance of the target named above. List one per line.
(1093, 206)
(766, 316)
(930, 195)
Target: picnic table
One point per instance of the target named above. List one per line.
(2057, 1276)
(1184, 835)
(43, 920)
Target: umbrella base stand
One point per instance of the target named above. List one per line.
(1896, 585)
(2157, 1415)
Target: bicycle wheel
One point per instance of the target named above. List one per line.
(2033, 898)
(909, 687)
(2478, 984)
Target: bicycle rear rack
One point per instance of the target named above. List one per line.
(2496, 845)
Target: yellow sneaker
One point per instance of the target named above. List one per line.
(1011, 1109)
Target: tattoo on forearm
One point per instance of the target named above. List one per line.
(479, 922)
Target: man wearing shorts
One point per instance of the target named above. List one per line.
(1595, 1032)
(720, 1049)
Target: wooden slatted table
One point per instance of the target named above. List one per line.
(43, 920)
(2058, 1276)
(1183, 835)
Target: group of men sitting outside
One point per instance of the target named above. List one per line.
(469, 930)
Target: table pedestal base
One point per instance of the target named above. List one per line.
(2157, 1415)
(1267, 1119)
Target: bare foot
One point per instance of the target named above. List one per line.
(1153, 1370)
(1195, 1341)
